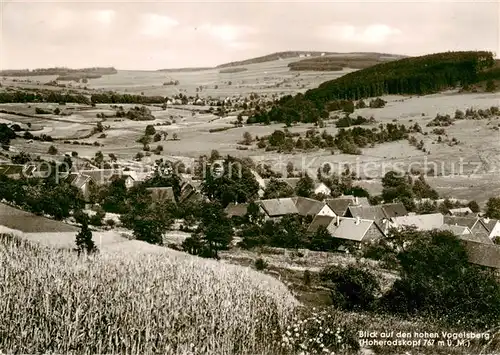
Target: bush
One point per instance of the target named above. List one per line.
(352, 287)
(52, 150)
(260, 264)
(110, 222)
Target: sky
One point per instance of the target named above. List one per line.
(173, 34)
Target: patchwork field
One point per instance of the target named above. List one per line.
(466, 170)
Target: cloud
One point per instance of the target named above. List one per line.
(373, 34)
(226, 33)
(154, 25)
(105, 16)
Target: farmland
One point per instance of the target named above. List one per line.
(479, 143)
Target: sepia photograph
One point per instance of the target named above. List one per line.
(250, 177)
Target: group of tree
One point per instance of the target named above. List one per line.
(405, 189)
(415, 75)
(24, 96)
(42, 196)
(117, 98)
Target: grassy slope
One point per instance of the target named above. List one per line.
(165, 302)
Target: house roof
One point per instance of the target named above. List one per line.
(291, 181)
(462, 221)
(339, 205)
(457, 230)
(162, 194)
(11, 169)
(489, 223)
(361, 201)
(279, 207)
(320, 221)
(308, 206)
(350, 228)
(320, 184)
(239, 209)
(461, 210)
(375, 213)
(101, 176)
(394, 209)
(421, 222)
(78, 180)
(483, 254)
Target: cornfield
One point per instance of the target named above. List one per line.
(52, 301)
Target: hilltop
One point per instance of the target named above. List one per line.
(305, 64)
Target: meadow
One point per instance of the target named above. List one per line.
(165, 302)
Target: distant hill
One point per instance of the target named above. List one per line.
(62, 72)
(340, 61)
(353, 58)
(185, 70)
(272, 57)
(422, 75)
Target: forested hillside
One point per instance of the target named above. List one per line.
(416, 75)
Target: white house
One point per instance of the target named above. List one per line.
(321, 188)
(493, 226)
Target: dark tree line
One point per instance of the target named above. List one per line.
(116, 98)
(42, 96)
(416, 75)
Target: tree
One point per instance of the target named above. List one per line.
(277, 138)
(175, 136)
(322, 240)
(150, 130)
(395, 187)
(57, 111)
(490, 86)
(456, 291)
(247, 138)
(474, 207)
(493, 208)
(99, 158)
(305, 186)
(240, 119)
(157, 137)
(84, 242)
(353, 288)
(52, 150)
(277, 189)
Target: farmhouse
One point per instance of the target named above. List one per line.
(493, 226)
(475, 225)
(12, 171)
(310, 207)
(483, 254)
(340, 205)
(425, 222)
(321, 188)
(278, 207)
(380, 214)
(320, 221)
(462, 211)
(84, 183)
(355, 229)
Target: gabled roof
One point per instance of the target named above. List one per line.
(162, 194)
(483, 254)
(101, 176)
(462, 221)
(308, 206)
(339, 205)
(489, 223)
(457, 230)
(394, 209)
(291, 181)
(350, 228)
(78, 180)
(361, 201)
(422, 222)
(461, 210)
(239, 209)
(279, 207)
(320, 221)
(375, 213)
(11, 169)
